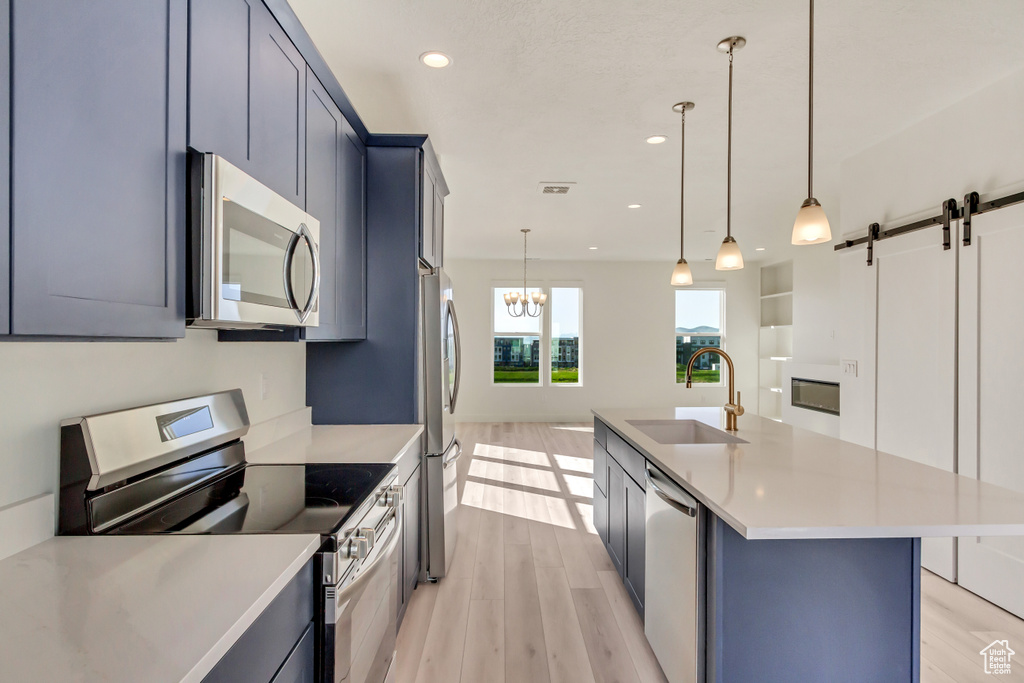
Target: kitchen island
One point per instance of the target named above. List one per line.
(810, 546)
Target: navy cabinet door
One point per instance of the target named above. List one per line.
(438, 229)
(5, 167)
(636, 535)
(336, 196)
(617, 516)
(98, 168)
(411, 540)
(218, 106)
(277, 108)
(601, 515)
(427, 192)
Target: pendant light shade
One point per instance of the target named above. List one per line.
(811, 225)
(681, 275)
(729, 256)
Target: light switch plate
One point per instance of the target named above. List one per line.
(849, 368)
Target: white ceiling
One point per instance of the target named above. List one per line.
(568, 91)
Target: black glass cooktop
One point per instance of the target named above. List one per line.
(261, 499)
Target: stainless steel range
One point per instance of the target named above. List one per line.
(179, 468)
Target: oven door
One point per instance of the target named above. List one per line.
(360, 613)
(261, 259)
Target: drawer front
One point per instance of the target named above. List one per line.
(601, 433)
(301, 664)
(628, 458)
(601, 468)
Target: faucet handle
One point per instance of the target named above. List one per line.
(739, 404)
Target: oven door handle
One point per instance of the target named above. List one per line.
(335, 602)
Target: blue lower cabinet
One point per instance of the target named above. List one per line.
(601, 515)
(278, 646)
(617, 516)
(98, 168)
(636, 546)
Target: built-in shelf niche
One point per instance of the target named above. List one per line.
(775, 341)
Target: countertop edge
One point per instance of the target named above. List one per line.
(220, 648)
(409, 444)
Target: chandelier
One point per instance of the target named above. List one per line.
(519, 306)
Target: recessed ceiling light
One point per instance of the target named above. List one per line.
(759, 249)
(437, 60)
(592, 248)
(633, 206)
(656, 139)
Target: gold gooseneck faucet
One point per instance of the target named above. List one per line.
(733, 409)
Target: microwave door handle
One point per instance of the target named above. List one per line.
(314, 292)
(289, 257)
(458, 356)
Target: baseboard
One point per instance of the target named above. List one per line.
(25, 524)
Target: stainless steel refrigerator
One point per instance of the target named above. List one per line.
(440, 377)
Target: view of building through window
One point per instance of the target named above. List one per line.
(565, 335)
(699, 315)
(518, 341)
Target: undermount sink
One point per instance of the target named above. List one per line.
(683, 432)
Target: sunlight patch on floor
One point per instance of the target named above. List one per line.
(516, 503)
(588, 430)
(587, 515)
(512, 454)
(513, 474)
(570, 462)
(579, 487)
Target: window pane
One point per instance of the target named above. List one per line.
(516, 359)
(565, 335)
(707, 369)
(698, 326)
(505, 322)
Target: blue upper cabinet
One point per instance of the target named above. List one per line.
(277, 110)
(98, 168)
(218, 107)
(247, 99)
(433, 190)
(336, 196)
(5, 167)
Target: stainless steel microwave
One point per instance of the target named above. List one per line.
(254, 255)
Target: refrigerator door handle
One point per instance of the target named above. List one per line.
(448, 461)
(458, 357)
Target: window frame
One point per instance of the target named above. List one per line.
(722, 330)
(544, 366)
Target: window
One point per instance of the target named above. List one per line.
(518, 342)
(700, 314)
(565, 334)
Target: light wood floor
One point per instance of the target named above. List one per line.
(532, 596)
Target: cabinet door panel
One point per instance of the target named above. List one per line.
(277, 143)
(427, 215)
(636, 548)
(438, 231)
(600, 468)
(99, 168)
(218, 107)
(601, 515)
(5, 167)
(411, 542)
(323, 198)
(617, 516)
(352, 238)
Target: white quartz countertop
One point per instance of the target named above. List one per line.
(340, 444)
(792, 483)
(126, 609)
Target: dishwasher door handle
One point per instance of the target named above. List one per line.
(688, 506)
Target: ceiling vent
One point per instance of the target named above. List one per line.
(555, 188)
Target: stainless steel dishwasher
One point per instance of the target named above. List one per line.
(674, 578)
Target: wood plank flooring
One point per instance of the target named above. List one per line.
(532, 596)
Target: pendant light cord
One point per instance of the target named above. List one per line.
(810, 112)
(728, 181)
(682, 183)
(524, 267)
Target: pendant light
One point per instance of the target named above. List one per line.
(811, 225)
(681, 275)
(519, 307)
(729, 256)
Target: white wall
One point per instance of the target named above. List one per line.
(974, 144)
(815, 303)
(45, 382)
(628, 345)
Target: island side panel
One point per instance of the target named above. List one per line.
(812, 610)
